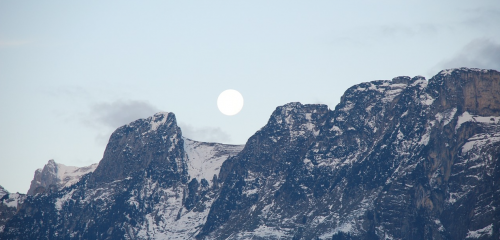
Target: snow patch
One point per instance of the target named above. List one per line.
(69, 175)
(447, 72)
(392, 93)
(427, 135)
(169, 219)
(158, 119)
(60, 201)
(440, 225)
(336, 129)
(205, 159)
(426, 99)
(467, 117)
(264, 232)
(479, 141)
(13, 200)
(348, 106)
(405, 113)
(250, 191)
(446, 117)
(486, 231)
(422, 82)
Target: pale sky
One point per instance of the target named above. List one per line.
(72, 72)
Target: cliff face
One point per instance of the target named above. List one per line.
(150, 184)
(151, 147)
(404, 158)
(9, 202)
(474, 89)
(55, 176)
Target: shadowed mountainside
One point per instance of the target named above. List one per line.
(404, 158)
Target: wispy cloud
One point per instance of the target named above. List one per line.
(108, 116)
(205, 134)
(479, 53)
(118, 113)
(383, 33)
(482, 18)
(105, 117)
(390, 31)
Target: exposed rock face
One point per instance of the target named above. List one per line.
(253, 177)
(399, 159)
(404, 159)
(3, 192)
(153, 145)
(55, 176)
(474, 89)
(9, 202)
(150, 184)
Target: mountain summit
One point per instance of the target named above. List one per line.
(55, 176)
(404, 158)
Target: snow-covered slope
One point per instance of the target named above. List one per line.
(404, 158)
(162, 184)
(205, 159)
(11, 200)
(9, 203)
(186, 207)
(58, 176)
(397, 159)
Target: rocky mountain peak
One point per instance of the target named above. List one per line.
(151, 146)
(44, 178)
(401, 79)
(55, 176)
(476, 90)
(51, 164)
(9, 203)
(404, 158)
(383, 135)
(160, 119)
(298, 119)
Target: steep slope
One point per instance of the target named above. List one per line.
(9, 202)
(3, 192)
(403, 159)
(143, 188)
(205, 159)
(56, 176)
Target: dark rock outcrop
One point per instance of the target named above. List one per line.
(404, 158)
(139, 190)
(151, 147)
(9, 202)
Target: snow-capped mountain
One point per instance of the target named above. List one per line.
(404, 158)
(57, 176)
(161, 183)
(400, 159)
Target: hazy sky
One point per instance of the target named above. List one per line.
(72, 72)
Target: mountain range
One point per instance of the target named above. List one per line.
(404, 158)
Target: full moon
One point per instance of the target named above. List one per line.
(230, 102)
